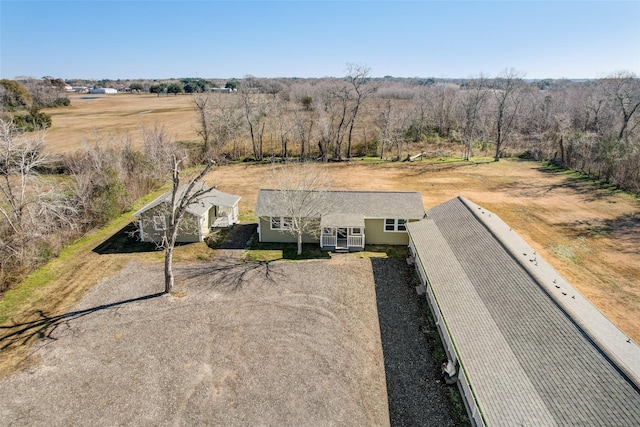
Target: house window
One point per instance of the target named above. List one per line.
(327, 231)
(281, 222)
(159, 222)
(276, 223)
(356, 231)
(391, 224)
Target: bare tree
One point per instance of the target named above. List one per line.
(623, 91)
(338, 118)
(159, 146)
(507, 91)
(182, 196)
(202, 102)
(302, 128)
(473, 100)
(219, 121)
(392, 124)
(303, 196)
(254, 114)
(357, 76)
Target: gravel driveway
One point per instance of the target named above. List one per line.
(415, 399)
(277, 343)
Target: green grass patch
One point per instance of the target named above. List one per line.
(388, 251)
(269, 251)
(259, 255)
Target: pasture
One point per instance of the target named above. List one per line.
(116, 116)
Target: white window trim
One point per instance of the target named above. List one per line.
(396, 225)
(332, 231)
(159, 222)
(284, 220)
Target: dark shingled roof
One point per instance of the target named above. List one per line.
(370, 204)
(525, 357)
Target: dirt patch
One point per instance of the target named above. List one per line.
(250, 344)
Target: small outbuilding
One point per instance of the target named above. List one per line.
(105, 90)
(214, 209)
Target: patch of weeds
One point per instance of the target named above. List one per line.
(572, 252)
(178, 294)
(599, 229)
(288, 250)
(392, 251)
(261, 255)
(565, 251)
(216, 237)
(247, 216)
(192, 251)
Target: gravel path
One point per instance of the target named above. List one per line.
(415, 399)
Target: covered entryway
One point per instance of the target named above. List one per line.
(342, 232)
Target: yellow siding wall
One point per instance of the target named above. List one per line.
(269, 235)
(188, 229)
(374, 234)
(373, 231)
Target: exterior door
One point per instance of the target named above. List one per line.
(342, 238)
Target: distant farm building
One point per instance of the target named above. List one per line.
(222, 90)
(105, 90)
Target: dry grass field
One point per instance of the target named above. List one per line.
(589, 234)
(118, 115)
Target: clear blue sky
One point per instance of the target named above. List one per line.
(164, 39)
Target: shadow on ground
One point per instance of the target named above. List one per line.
(415, 399)
(239, 236)
(586, 185)
(124, 242)
(44, 325)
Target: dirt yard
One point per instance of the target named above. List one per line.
(237, 344)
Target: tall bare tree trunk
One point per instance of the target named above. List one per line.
(168, 270)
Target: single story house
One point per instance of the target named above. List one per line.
(214, 209)
(346, 220)
(532, 351)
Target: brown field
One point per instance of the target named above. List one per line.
(589, 234)
(118, 115)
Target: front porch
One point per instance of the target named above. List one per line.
(342, 232)
(223, 216)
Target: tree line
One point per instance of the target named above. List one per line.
(590, 126)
